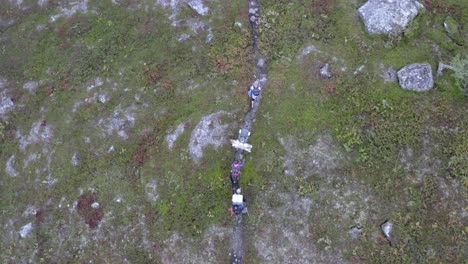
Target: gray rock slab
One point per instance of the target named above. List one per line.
(388, 16)
(416, 77)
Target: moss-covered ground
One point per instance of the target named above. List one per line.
(405, 151)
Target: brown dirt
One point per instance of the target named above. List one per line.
(91, 215)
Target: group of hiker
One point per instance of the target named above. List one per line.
(238, 200)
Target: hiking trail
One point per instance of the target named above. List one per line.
(237, 249)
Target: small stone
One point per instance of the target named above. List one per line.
(25, 230)
(359, 69)
(96, 83)
(390, 75)
(183, 37)
(6, 105)
(103, 98)
(443, 67)
(95, 205)
(10, 167)
(30, 86)
(75, 160)
(40, 27)
(416, 77)
(42, 2)
(308, 50)
(325, 72)
(197, 6)
(452, 29)
(209, 36)
(355, 232)
(387, 228)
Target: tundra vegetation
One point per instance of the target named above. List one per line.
(90, 91)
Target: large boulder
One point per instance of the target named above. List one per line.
(388, 16)
(416, 77)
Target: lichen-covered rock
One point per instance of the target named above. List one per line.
(211, 130)
(416, 77)
(388, 16)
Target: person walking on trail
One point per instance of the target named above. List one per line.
(236, 165)
(235, 172)
(237, 202)
(254, 92)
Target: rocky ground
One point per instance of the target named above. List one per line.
(115, 118)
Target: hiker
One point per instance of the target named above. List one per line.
(254, 92)
(235, 172)
(244, 135)
(236, 165)
(237, 202)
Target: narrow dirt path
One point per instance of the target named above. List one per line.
(237, 249)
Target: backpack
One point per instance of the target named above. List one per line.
(235, 172)
(256, 92)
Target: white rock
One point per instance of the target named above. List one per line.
(30, 86)
(25, 230)
(6, 105)
(198, 6)
(172, 137)
(42, 2)
(151, 190)
(74, 160)
(75, 6)
(95, 205)
(9, 166)
(387, 228)
(359, 69)
(96, 83)
(210, 36)
(325, 72)
(183, 37)
(103, 98)
(40, 27)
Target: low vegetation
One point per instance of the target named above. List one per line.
(114, 82)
